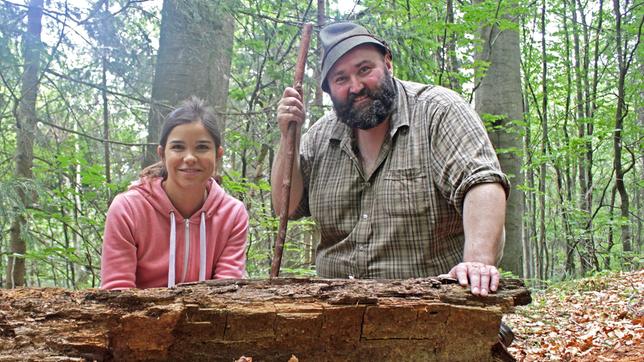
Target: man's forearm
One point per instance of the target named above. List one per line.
(483, 223)
(277, 177)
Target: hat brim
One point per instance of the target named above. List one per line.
(341, 49)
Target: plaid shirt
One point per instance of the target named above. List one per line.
(404, 220)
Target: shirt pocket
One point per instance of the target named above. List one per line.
(405, 192)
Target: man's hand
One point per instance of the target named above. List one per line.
(290, 108)
(482, 278)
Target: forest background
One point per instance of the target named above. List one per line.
(84, 86)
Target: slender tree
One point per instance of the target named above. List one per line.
(543, 262)
(585, 170)
(570, 267)
(623, 63)
(26, 123)
(639, 196)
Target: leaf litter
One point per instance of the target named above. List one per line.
(600, 318)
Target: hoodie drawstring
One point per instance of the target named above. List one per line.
(173, 249)
(202, 247)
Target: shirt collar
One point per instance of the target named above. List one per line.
(399, 117)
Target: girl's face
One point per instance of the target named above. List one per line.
(190, 156)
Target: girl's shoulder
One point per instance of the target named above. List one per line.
(233, 207)
(140, 193)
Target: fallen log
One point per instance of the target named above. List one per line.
(426, 319)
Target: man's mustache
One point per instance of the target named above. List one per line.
(363, 92)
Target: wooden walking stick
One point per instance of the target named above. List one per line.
(290, 152)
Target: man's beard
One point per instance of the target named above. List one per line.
(377, 108)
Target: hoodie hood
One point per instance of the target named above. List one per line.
(154, 193)
(151, 189)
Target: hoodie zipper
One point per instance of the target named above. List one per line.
(186, 255)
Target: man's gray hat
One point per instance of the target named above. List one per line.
(338, 38)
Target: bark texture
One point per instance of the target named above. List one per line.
(26, 120)
(195, 50)
(269, 320)
(499, 94)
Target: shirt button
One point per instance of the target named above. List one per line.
(365, 216)
(367, 184)
(361, 247)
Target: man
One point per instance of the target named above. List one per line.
(401, 177)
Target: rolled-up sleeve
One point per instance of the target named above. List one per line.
(462, 153)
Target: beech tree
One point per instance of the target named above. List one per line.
(499, 102)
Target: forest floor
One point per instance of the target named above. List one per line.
(599, 318)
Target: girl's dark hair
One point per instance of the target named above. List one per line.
(191, 110)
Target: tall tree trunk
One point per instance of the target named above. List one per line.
(447, 52)
(452, 60)
(639, 196)
(194, 58)
(530, 221)
(530, 251)
(26, 123)
(499, 94)
(611, 230)
(106, 126)
(617, 135)
(543, 272)
(570, 267)
(106, 112)
(589, 102)
(317, 100)
(585, 169)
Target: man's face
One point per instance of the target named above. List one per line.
(361, 87)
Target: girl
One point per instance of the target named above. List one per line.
(176, 224)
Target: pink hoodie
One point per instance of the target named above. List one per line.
(147, 243)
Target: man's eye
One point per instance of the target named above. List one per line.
(340, 79)
(365, 70)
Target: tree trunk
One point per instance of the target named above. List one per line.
(570, 267)
(499, 94)
(610, 242)
(530, 222)
(269, 320)
(106, 128)
(194, 58)
(446, 53)
(543, 262)
(450, 47)
(589, 104)
(26, 123)
(617, 135)
(319, 95)
(585, 168)
(639, 196)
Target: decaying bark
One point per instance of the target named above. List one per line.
(270, 320)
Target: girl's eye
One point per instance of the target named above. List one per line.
(203, 147)
(176, 147)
